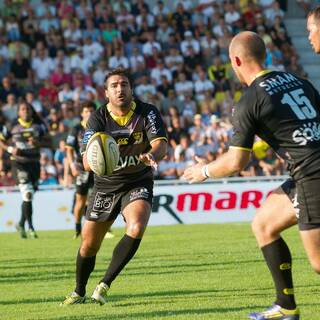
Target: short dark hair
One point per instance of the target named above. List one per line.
(87, 104)
(118, 72)
(315, 12)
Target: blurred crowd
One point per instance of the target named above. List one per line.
(55, 54)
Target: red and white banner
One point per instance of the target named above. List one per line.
(216, 202)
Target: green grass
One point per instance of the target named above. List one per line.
(179, 272)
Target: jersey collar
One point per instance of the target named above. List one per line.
(262, 73)
(25, 124)
(122, 120)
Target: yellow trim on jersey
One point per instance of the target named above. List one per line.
(122, 120)
(262, 73)
(240, 148)
(2, 137)
(159, 138)
(83, 123)
(25, 124)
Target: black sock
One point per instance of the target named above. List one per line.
(85, 266)
(27, 212)
(23, 217)
(122, 254)
(278, 258)
(78, 227)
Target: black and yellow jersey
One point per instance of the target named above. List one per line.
(283, 110)
(25, 136)
(133, 133)
(74, 141)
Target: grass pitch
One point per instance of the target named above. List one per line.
(179, 272)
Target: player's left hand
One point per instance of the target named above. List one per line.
(148, 160)
(194, 174)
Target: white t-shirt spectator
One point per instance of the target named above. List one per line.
(147, 47)
(93, 51)
(201, 86)
(135, 60)
(231, 17)
(98, 76)
(42, 67)
(156, 74)
(149, 17)
(115, 62)
(183, 87)
(187, 43)
(80, 93)
(81, 62)
(143, 90)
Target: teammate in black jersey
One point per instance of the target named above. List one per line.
(26, 135)
(313, 27)
(84, 179)
(283, 110)
(139, 131)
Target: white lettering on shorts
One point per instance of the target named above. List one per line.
(103, 202)
(141, 193)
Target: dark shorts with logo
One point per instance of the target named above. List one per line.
(306, 201)
(84, 181)
(25, 173)
(105, 203)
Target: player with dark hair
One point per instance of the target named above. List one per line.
(282, 110)
(313, 27)
(83, 179)
(27, 135)
(139, 131)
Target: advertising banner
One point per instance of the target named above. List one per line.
(213, 202)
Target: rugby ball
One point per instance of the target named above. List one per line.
(102, 154)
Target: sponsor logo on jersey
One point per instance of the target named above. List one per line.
(87, 135)
(127, 161)
(122, 141)
(309, 132)
(142, 193)
(138, 137)
(103, 202)
(280, 83)
(152, 118)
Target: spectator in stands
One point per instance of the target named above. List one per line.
(8, 88)
(10, 109)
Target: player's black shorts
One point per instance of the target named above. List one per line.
(105, 203)
(25, 173)
(84, 181)
(306, 201)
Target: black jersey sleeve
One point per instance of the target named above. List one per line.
(71, 140)
(244, 123)
(154, 125)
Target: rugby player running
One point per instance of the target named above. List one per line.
(139, 131)
(83, 179)
(283, 110)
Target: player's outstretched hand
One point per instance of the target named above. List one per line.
(194, 173)
(148, 160)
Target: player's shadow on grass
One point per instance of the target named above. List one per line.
(162, 313)
(31, 301)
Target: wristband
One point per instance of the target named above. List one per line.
(205, 171)
(10, 149)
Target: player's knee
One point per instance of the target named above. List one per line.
(316, 266)
(88, 249)
(263, 230)
(136, 229)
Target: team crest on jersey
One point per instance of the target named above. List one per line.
(138, 137)
(122, 141)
